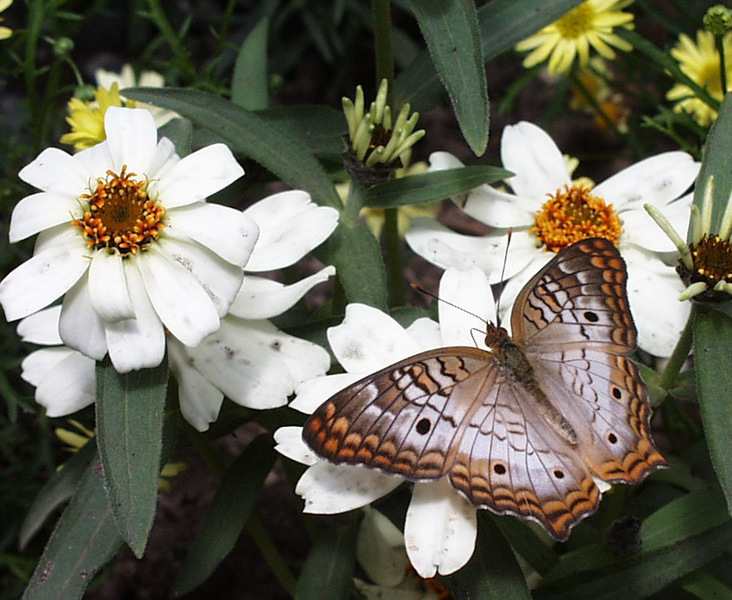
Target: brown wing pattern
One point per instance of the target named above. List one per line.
(407, 419)
(577, 299)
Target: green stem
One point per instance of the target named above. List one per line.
(202, 444)
(393, 258)
(274, 561)
(30, 70)
(182, 57)
(722, 63)
(382, 41)
(680, 353)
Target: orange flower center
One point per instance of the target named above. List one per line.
(121, 216)
(712, 258)
(573, 214)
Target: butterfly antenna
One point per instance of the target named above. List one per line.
(436, 297)
(502, 284)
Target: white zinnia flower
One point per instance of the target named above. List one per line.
(548, 210)
(441, 525)
(126, 236)
(248, 359)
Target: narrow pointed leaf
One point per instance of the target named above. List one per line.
(450, 28)
(492, 573)
(84, 540)
(249, 86)
(717, 150)
(249, 133)
(328, 570)
(502, 24)
(229, 512)
(130, 409)
(56, 491)
(357, 256)
(431, 187)
(712, 346)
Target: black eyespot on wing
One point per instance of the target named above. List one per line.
(591, 316)
(612, 438)
(617, 394)
(499, 469)
(423, 426)
(558, 473)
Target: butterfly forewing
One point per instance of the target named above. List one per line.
(407, 419)
(578, 299)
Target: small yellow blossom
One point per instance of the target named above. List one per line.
(700, 62)
(591, 93)
(5, 32)
(588, 25)
(87, 118)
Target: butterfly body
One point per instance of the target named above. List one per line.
(523, 427)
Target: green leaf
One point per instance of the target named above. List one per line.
(431, 187)
(450, 28)
(229, 512)
(712, 339)
(493, 571)
(702, 585)
(502, 24)
(357, 256)
(272, 147)
(129, 411)
(57, 490)
(249, 88)
(677, 539)
(717, 150)
(640, 576)
(320, 128)
(328, 570)
(84, 540)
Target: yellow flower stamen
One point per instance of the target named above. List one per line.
(120, 215)
(573, 214)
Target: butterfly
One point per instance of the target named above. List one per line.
(522, 428)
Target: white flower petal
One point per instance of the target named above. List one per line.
(136, 343)
(330, 489)
(261, 298)
(440, 530)
(219, 279)
(656, 180)
(470, 291)
(653, 291)
(368, 340)
(46, 276)
(163, 160)
(380, 549)
(39, 363)
(529, 152)
(200, 401)
(311, 393)
(500, 209)
(289, 443)
(426, 333)
(41, 327)
(513, 286)
(197, 176)
(640, 229)
(227, 232)
(40, 211)
(131, 138)
(108, 287)
(255, 364)
(56, 171)
(79, 326)
(67, 386)
(440, 161)
(177, 296)
(445, 248)
(290, 226)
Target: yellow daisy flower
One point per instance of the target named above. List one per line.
(87, 118)
(700, 62)
(588, 25)
(5, 32)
